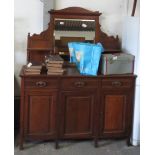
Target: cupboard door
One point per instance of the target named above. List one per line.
(77, 114)
(115, 114)
(40, 116)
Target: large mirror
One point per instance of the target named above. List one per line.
(72, 30)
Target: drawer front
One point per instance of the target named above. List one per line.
(117, 83)
(77, 83)
(41, 83)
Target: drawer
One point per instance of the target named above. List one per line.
(41, 83)
(76, 83)
(116, 83)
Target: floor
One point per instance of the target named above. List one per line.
(106, 147)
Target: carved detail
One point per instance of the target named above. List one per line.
(110, 43)
(75, 10)
(42, 35)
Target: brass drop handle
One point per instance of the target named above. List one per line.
(116, 83)
(40, 84)
(79, 84)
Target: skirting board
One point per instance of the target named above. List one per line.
(135, 142)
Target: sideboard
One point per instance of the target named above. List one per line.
(73, 106)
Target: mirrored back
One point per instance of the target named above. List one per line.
(72, 30)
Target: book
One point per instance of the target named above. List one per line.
(54, 73)
(55, 62)
(54, 68)
(54, 59)
(55, 65)
(32, 73)
(32, 69)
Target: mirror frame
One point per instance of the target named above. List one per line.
(76, 13)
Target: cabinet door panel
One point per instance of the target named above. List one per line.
(78, 110)
(78, 114)
(40, 113)
(115, 109)
(39, 108)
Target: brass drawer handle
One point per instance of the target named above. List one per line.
(116, 83)
(79, 84)
(40, 84)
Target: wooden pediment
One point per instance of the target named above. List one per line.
(75, 11)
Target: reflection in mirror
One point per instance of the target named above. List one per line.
(72, 30)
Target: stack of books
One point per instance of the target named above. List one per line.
(54, 64)
(33, 70)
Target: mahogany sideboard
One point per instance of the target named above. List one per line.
(73, 106)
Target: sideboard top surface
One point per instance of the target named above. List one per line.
(72, 71)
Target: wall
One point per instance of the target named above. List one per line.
(28, 17)
(47, 5)
(130, 44)
(129, 5)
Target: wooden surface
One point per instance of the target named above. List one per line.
(40, 113)
(114, 109)
(77, 112)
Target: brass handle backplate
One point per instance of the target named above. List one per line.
(41, 84)
(79, 84)
(116, 83)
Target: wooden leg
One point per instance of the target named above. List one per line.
(56, 144)
(96, 142)
(21, 147)
(21, 144)
(128, 142)
(21, 140)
